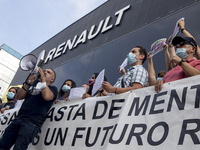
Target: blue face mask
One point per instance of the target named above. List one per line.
(131, 58)
(66, 88)
(159, 78)
(181, 52)
(10, 95)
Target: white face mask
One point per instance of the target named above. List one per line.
(181, 52)
(66, 88)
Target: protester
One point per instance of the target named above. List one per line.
(38, 98)
(11, 100)
(135, 78)
(18, 103)
(100, 92)
(91, 83)
(187, 64)
(64, 91)
(186, 33)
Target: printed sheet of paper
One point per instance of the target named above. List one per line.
(157, 46)
(77, 92)
(124, 64)
(176, 29)
(98, 82)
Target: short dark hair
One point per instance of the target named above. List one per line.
(142, 51)
(15, 88)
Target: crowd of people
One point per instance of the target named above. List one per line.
(182, 56)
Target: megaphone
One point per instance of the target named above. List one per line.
(30, 62)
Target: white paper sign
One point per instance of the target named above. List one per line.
(124, 64)
(98, 82)
(77, 92)
(176, 29)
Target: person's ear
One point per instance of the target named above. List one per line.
(194, 48)
(52, 80)
(142, 57)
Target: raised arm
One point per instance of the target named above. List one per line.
(22, 91)
(172, 53)
(151, 71)
(167, 57)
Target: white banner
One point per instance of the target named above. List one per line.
(140, 119)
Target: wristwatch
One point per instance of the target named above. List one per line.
(102, 91)
(182, 60)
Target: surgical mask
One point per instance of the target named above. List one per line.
(66, 88)
(91, 80)
(131, 58)
(159, 78)
(10, 95)
(181, 52)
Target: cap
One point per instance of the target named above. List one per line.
(179, 39)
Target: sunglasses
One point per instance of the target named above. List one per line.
(183, 43)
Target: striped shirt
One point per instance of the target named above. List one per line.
(135, 74)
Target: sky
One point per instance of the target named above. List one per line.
(26, 24)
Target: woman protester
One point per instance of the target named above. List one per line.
(100, 92)
(64, 91)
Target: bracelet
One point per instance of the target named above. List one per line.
(26, 83)
(102, 91)
(24, 89)
(115, 90)
(182, 30)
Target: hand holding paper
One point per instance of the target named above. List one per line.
(176, 29)
(157, 46)
(124, 64)
(98, 82)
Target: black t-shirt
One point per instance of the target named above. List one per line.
(34, 108)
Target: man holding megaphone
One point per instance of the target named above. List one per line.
(37, 101)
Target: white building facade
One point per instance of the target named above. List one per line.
(9, 63)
